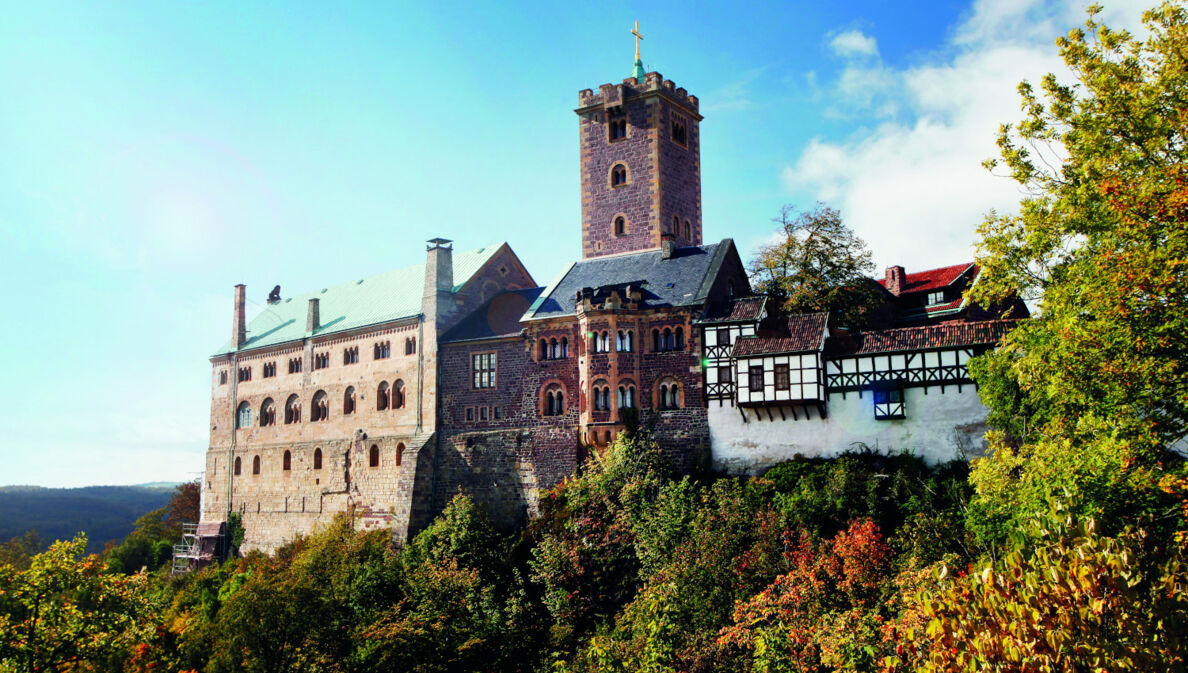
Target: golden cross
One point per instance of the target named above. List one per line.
(638, 37)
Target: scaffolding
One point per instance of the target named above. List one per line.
(202, 544)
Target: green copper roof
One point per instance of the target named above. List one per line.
(638, 71)
(357, 303)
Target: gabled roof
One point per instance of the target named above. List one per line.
(803, 332)
(499, 317)
(944, 335)
(932, 279)
(682, 280)
(744, 309)
(385, 297)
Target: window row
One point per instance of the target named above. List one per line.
(373, 459)
(668, 339)
(601, 394)
(756, 377)
(676, 228)
(552, 349)
(387, 397)
(484, 413)
(600, 342)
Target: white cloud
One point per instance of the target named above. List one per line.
(913, 186)
(852, 43)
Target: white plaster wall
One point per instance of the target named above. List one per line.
(938, 427)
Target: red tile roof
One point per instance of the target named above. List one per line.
(944, 335)
(739, 310)
(932, 279)
(804, 332)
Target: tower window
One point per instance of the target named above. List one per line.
(676, 225)
(688, 231)
(287, 461)
(238, 465)
(317, 459)
(620, 229)
(618, 175)
(223, 378)
(680, 132)
(255, 464)
(373, 456)
(616, 120)
(244, 419)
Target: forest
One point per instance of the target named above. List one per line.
(1061, 549)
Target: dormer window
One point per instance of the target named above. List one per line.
(618, 175)
(616, 119)
(935, 298)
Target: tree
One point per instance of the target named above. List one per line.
(1096, 385)
(818, 264)
(67, 611)
(183, 506)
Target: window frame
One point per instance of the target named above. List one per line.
(484, 370)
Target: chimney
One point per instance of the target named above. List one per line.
(439, 266)
(239, 330)
(312, 319)
(896, 279)
(667, 245)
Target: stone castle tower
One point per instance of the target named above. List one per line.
(640, 164)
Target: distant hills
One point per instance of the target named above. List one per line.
(102, 512)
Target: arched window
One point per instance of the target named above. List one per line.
(618, 175)
(319, 407)
(662, 403)
(544, 349)
(604, 342)
(317, 459)
(243, 419)
(626, 396)
(398, 394)
(676, 225)
(267, 413)
(620, 229)
(348, 401)
(619, 337)
(399, 453)
(293, 410)
(255, 464)
(608, 436)
(680, 338)
(656, 343)
(553, 400)
(237, 465)
(668, 395)
(410, 346)
(667, 342)
(287, 461)
(688, 231)
(564, 347)
(554, 349)
(630, 340)
(381, 396)
(373, 456)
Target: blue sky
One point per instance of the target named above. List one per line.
(154, 155)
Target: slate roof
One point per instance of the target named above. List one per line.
(944, 335)
(743, 309)
(932, 279)
(682, 280)
(358, 303)
(499, 317)
(803, 332)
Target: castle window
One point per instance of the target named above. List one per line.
(469, 413)
(317, 459)
(350, 356)
(381, 396)
(383, 350)
(267, 413)
(623, 341)
(243, 419)
(373, 456)
(293, 410)
(398, 394)
(399, 453)
(269, 370)
(348, 401)
(618, 175)
(688, 231)
(935, 298)
(245, 374)
(620, 225)
(755, 378)
(287, 461)
(888, 401)
(564, 347)
(680, 130)
(294, 365)
(410, 346)
(626, 397)
(669, 396)
(554, 350)
(781, 377)
(553, 402)
(667, 341)
(319, 408)
(238, 466)
(680, 338)
(255, 464)
(676, 226)
(604, 342)
(223, 378)
(483, 370)
(483, 413)
(321, 360)
(544, 349)
(495, 412)
(616, 120)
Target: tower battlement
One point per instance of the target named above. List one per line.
(610, 95)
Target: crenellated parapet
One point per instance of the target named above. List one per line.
(610, 95)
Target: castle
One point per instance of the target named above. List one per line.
(390, 393)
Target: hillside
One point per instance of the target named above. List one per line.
(102, 512)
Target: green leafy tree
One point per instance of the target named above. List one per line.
(818, 264)
(19, 551)
(66, 612)
(1095, 386)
